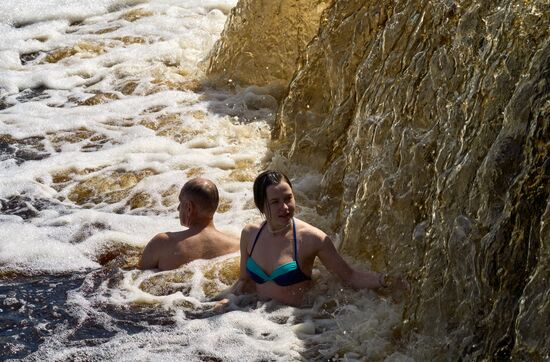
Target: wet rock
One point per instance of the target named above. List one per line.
(32, 94)
(29, 57)
(22, 150)
(427, 119)
(278, 33)
(4, 103)
(119, 255)
(24, 206)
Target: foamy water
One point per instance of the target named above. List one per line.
(104, 114)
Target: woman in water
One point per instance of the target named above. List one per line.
(277, 256)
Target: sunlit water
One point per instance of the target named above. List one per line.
(104, 114)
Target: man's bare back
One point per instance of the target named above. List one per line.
(170, 250)
(173, 249)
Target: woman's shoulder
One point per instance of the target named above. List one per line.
(248, 233)
(251, 229)
(309, 232)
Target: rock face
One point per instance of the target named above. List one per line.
(263, 49)
(429, 122)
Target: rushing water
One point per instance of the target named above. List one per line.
(104, 113)
(427, 123)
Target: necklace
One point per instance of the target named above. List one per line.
(275, 231)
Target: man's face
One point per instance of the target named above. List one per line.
(184, 208)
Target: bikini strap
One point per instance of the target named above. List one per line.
(256, 239)
(295, 242)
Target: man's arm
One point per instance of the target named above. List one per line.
(150, 257)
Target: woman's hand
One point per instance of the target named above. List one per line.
(395, 286)
(393, 281)
(221, 306)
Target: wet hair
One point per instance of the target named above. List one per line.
(204, 193)
(262, 182)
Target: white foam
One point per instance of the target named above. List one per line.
(29, 248)
(10, 59)
(216, 338)
(17, 12)
(176, 33)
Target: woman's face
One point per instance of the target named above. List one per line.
(280, 204)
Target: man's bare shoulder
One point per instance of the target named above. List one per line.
(164, 238)
(160, 238)
(215, 237)
(153, 250)
(207, 244)
(165, 242)
(228, 239)
(227, 243)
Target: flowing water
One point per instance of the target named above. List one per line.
(104, 114)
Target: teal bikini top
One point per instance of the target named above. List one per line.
(284, 275)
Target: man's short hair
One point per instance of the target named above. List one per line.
(204, 193)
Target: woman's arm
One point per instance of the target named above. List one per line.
(334, 262)
(357, 278)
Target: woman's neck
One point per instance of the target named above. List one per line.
(275, 229)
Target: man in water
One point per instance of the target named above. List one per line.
(198, 201)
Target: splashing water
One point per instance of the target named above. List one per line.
(104, 114)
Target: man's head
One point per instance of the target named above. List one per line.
(198, 200)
